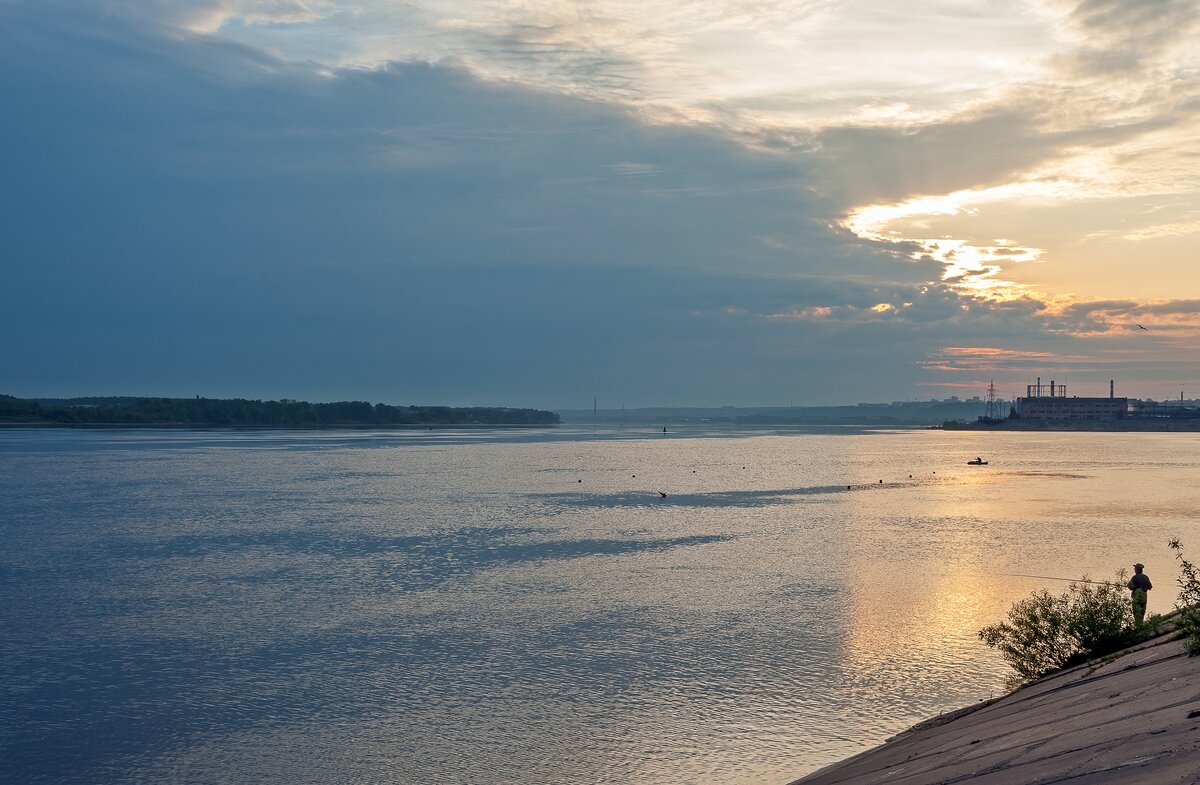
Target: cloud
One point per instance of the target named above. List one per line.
(1172, 316)
(980, 361)
(1105, 120)
(209, 16)
(196, 214)
(192, 214)
(1115, 36)
(722, 59)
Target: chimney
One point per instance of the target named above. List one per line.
(1051, 388)
(1110, 389)
(1039, 387)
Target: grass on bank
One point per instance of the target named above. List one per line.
(1188, 603)
(1046, 632)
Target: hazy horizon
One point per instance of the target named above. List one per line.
(570, 407)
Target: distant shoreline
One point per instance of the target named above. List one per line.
(185, 426)
(141, 412)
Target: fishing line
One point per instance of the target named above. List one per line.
(1066, 580)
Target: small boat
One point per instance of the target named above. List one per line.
(977, 462)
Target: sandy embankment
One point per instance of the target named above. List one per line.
(1129, 720)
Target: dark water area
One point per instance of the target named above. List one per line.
(526, 607)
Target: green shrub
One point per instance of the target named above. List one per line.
(1045, 631)
(1188, 603)
(1101, 616)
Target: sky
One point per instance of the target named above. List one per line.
(538, 202)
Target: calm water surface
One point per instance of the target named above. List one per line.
(523, 607)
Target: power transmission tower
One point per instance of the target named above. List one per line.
(994, 404)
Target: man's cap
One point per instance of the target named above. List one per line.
(1138, 566)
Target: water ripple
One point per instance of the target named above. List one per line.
(737, 498)
(416, 609)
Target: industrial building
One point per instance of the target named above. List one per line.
(1053, 403)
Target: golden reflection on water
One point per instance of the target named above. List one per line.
(955, 547)
(917, 616)
(916, 591)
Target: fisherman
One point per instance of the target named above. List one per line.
(1139, 584)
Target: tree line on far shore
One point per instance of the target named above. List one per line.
(242, 412)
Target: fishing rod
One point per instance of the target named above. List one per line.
(1064, 580)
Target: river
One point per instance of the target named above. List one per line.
(525, 606)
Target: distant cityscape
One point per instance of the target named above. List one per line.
(1052, 403)
(1043, 405)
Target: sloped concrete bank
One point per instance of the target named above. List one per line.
(1132, 718)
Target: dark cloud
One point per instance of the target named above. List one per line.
(1180, 307)
(1121, 38)
(1113, 317)
(1136, 23)
(403, 163)
(873, 164)
(1085, 308)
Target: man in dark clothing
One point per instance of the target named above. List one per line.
(1139, 584)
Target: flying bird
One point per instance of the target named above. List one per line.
(1141, 327)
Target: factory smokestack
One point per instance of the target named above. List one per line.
(1051, 388)
(1110, 389)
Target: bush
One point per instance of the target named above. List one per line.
(1046, 632)
(1188, 603)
